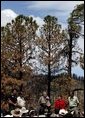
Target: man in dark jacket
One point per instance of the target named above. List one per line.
(13, 100)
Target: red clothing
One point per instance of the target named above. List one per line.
(60, 104)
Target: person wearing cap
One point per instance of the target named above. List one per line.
(73, 103)
(60, 103)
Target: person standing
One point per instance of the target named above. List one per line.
(73, 103)
(44, 103)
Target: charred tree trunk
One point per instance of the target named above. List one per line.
(20, 61)
(49, 80)
(49, 69)
(70, 55)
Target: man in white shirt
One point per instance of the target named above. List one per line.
(73, 103)
(44, 103)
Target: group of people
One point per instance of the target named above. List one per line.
(61, 106)
(11, 102)
(16, 106)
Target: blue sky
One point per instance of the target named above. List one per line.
(39, 9)
(60, 9)
(16, 6)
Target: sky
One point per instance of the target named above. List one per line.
(38, 10)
